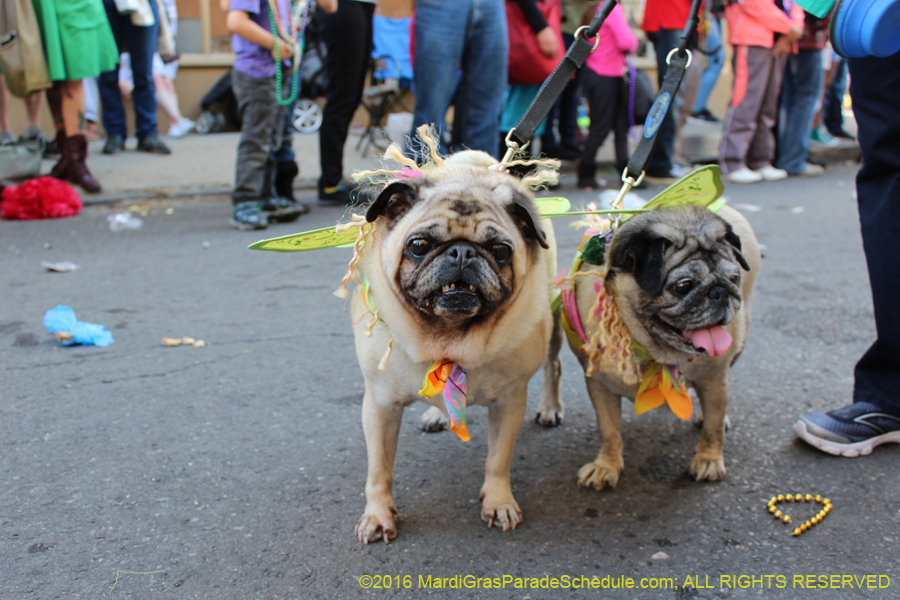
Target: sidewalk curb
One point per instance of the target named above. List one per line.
(158, 194)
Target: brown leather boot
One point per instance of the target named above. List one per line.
(76, 149)
(61, 169)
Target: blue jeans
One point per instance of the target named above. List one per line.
(832, 109)
(715, 60)
(140, 43)
(875, 87)
(800, 89)
(660, 162)
(466, 34)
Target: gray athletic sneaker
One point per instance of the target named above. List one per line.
(850, 431)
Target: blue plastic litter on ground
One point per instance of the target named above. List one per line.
(62, 318)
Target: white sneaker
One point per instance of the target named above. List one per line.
(810, 170)
(770, 173)
(744, 175)
(181, 128)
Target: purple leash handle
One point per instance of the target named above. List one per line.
(631, 85)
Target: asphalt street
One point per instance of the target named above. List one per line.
(236, 470)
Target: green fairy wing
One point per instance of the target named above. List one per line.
(327, 237)
(701, 187)
(550, 207)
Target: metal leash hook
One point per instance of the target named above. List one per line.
(512, 148)
(618, 203)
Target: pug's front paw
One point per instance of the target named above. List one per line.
(600, 474)
(550, 416)
(500, 509)
(707, 466)
(434, 420)
(377, 524)
(506, 515)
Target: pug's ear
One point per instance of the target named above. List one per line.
(640, 253)
(527, 219)
(734, 242)
(393, 201)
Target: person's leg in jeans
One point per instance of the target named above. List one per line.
(140, 43)
(833, 106)
(800, 89)
(715, 59)
(660, 164)
(874, 416)
(484, 56)
(875, 87)
(113, 108)
(347, 34)
(440, 32)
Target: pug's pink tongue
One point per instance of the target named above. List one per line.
(715, 340)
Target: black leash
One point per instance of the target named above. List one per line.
(520, 135)
(679, 60)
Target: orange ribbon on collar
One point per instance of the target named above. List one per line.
(663, 384)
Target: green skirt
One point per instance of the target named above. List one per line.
(77, 39)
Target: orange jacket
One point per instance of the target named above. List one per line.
(755, 22)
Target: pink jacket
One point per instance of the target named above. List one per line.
(616, 40)
(755, 22)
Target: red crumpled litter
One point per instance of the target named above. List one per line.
(42, 198)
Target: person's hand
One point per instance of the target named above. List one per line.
(285, 50)
(783, 47)
(794, 35)
(547, 42)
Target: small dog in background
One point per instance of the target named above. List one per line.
(454, 292)
(675, 301)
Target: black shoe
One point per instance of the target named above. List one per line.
(282, 210)
(704, 117)
(115, 143)
(153, 145)
(344, 193)
(840, 133)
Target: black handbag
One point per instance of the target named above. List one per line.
(638, 93)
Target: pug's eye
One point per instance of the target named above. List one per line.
(501, 252)
(683, 287)
(419, 247)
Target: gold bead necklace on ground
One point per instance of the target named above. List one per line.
(778, 514)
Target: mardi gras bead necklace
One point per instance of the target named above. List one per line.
(300, 14)
(772, 507)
